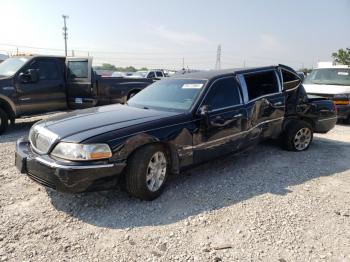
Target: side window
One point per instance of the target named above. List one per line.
(48, 70)
(223, 93)
(290, 80)
(159, 74)
(78, 69)
(151, 75)
(261, 83)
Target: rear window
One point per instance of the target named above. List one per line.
(261, 84)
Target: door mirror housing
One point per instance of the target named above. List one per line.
(203, 112)
(29, 76)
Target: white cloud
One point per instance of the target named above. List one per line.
(180, 38)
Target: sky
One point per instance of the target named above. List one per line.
(164, 34)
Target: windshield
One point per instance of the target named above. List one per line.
(329, 76)
(171, 94)
(10, 66)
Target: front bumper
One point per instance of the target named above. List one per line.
(343, 111)
(66, 176)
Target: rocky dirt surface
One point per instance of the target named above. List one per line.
(265, 204)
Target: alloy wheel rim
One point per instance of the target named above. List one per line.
(302, 138)
(156, 171)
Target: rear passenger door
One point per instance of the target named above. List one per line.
(226, 121)
(82, 91)
(265, 103)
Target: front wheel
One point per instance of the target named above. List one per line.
(147, 172)
(298, 136)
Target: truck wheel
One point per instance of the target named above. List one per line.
(147, 172)
(298, 136)
(4, 121)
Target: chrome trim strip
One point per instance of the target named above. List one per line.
(8, 88)
(55, 165)
(330, 118)
(233, 135)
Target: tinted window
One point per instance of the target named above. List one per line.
(223, 93)
(48, 70)
(159, 74)
(261, 83)
(290, 80)
(78, 69)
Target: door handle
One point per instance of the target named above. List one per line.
(237, 116)
(278, 104)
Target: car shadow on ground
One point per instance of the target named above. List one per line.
(266, 169)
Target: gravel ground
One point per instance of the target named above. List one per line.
(264, 204)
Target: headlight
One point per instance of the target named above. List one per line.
(80, 152)
(41, 139)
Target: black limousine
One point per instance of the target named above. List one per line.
(170, 125)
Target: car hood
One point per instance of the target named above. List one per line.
(80, 125)
(326, 89)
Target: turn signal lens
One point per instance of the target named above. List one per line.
(341, 102)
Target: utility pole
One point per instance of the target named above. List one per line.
(65, 34)
(183, 63)
(218, 58)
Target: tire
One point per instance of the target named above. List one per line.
(141, 174)
(298, 136)
(4, 121)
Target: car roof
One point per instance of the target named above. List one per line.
(211, 74)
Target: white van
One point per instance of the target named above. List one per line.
(333, 82)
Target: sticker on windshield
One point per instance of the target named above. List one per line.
(343, 73)
(192, 86)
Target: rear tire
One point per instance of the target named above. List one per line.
(4, 121)
(298, 136)
(147, 172)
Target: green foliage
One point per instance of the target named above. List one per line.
(342, 56)
(106, 67)
(119, 69)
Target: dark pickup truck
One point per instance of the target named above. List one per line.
(31, 85)
(170, 125)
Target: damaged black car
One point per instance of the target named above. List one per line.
(170, 125)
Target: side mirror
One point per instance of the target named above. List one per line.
(29, 76)
(204, 110)
(204, 114)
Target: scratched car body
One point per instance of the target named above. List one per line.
(170, 125)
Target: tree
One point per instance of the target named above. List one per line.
(342, 56)
(106, 67)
